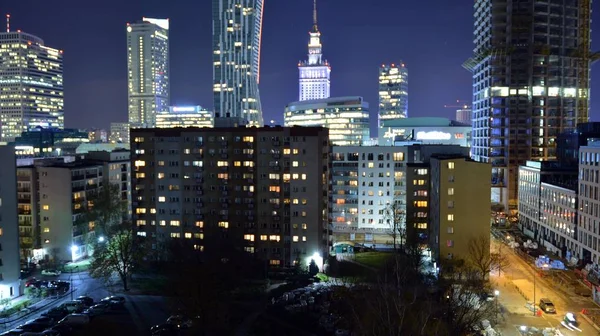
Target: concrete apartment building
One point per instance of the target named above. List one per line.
(264, 190)
(28, 212)
(9, 229)
(116, 170)
(365, 179)
(460, 205)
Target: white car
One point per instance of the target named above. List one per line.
(51, 272)
(97, 309)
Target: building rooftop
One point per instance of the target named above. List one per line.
(422, 122)
(332, 101)
(178, 131)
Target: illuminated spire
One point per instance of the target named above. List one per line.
(315, 28)
(8, 23)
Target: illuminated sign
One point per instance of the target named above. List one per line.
(184, 109)
(434, 135)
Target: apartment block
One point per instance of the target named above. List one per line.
(460, 205)
(366, 179)
(262, 190)
(28, 212)
(9, 227)
(116, 170)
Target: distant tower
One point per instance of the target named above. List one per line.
(147, 70)
(31, 80)
(314, 73)
(237, 30)
(393, 92)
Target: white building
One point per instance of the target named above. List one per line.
(589, 203)
(42, 79)
(347, 118)
(185, 116)
(393, 92)
(10, 267)
(237, 30)
(315, 73)
(424, 130)
(147, 70)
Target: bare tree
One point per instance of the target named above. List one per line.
(479, 256)
(121, 253)
(395, 218)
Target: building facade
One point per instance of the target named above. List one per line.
(530, 83)
(237, 30)
(460, 205)
(42, 142)
(119, 132)
(262, 190)
(29, 66)
(393, 92)
(589, 204)
(10, 267)
(315, 73)
(28, 211)
(185, 116)
(464, 115)
(116, 170)
(147, 70)
(425, 130)
(347, 118)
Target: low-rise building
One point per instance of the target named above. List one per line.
(119, 132)
(424, 130)
(261, 190)
(185, 116)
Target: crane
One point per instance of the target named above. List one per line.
(460, 104)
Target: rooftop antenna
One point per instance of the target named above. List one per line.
(8, 23)
(315, 16)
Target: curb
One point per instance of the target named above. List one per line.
(589, 320)
(5, 323)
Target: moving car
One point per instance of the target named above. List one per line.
(570, 322)
(51, 272)
(180, 321)
(547, 306)
(75, 320)
(114, 301)
(97, 309)
(86, 300)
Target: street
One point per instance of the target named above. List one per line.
(516, 286)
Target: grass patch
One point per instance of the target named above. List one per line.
(323, 277)
(372, 259)
(7, 311)
(149, 286)
(77, 266)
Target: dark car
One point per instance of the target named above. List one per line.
(33, 327)
(547, 306)
(63, 329)
(164, 329)
(44, 320)
(56, 313)
(86, 300)
(31, 282)
(180, 321)
(114, 301)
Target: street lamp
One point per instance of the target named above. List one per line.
(101, 239)
(497, 294)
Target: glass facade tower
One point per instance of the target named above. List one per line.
(147, 70)
(530, 70)
(31, 85)
(237, 29)
(393, 92)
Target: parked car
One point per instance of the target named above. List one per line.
(30, 282)
(63, 329)
(547, 306)
(56, 313)
(47, 332)
(33, 327)
(75, 320)
(97, 309)
(51, 272)
(44, 320)
(180, 321)
(114, 301)
(13, 332)
(164, 329)
(86, 300)
(73, 306)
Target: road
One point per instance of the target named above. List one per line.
(516, 286)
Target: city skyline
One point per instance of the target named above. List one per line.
(97, 95)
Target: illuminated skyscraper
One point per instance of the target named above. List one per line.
(31, 85)
(237, 27)
(531, 77)
(393, 92)
(147, 70)
(314, 73)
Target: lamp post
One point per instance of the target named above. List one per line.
(497, 295)
(71, 280)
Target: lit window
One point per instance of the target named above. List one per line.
(140, 222)
(141, 234)
(450, 204)
(199, 235)
(200, 224)
(286, 151)
(174, 223)
(263, 237)
(295, 176)
(295, 201)
(46, 207)
(237, 163)
(295, 151)
(188, 235)
(274, 238)
(295, 239)
(450, 243)
(140, 175)
(304, 201)
(303, 238)
(450, 165)
(249, 237)
(175, 235)
(451, 218)
(138, 139)
(450, 191)
(140, 210)
(304, 176)
(274, 188)
(294, 163)
(161, 163)
(162, 199)
(162, 222)
(224, 224)
(140, 163)
(46, 229)
(304, 226)
(197, 163)
(450, 229)
(420, 204)
(421, 171)
(370, 165)
(421, 225)
(161, 176)
(198, 247)
(398, 156)
(248, 139)
(274, 262)
(222, 163)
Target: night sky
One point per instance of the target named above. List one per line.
(432, 37)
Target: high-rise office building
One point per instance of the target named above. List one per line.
(237, 29)
(147, 70)
(315, 72)
(393, 91)
(185, 116)
(347, 118)
(261, 190)
(530, 82)
(31, 76)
